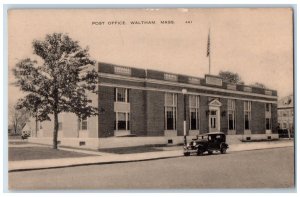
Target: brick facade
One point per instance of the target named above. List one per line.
(147, 89)
(224, 116)
(137, 115)
(155, 114)
(274, 119)
(180, 115)
(239, 105)
(106, 116)
(258, 122)
(203, 114)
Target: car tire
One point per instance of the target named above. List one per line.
(200, 152)
(223, 150)
(186, 154)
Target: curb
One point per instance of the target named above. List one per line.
(263, 148)
(95, 163)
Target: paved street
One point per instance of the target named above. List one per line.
(269, 168)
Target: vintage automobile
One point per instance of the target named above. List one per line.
(25, 135)
(209, 143)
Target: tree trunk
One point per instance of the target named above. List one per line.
(55, 130)
(15, 127)
(36, 126)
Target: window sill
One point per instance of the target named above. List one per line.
(269, 131)
(194, 132)
(247, 132)
(121, 132)
(231, 132)
(170, 132)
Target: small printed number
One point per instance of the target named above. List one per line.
(188, 22)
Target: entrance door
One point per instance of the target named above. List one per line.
(213, 121)
(214, 115)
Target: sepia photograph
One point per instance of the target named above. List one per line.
(151, 99)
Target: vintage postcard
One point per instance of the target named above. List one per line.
(177, 98)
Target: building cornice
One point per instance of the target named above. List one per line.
(183, 85)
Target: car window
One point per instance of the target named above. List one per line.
(203, 137)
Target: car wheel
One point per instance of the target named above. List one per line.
(186, 154)
(200, 152)
(223, 150)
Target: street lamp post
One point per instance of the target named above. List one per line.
(184, 91)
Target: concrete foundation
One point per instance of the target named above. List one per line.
(116, 142)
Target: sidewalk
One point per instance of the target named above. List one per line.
(107, 158)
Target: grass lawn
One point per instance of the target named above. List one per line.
(30, 153)
(18, 142)
(14, 137)
(131, 150)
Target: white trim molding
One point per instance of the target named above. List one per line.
(161, 82)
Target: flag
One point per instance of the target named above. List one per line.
(208, 45)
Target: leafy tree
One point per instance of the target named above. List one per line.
(259, 85)
(230, 77)
(59, 82)
(17, 118)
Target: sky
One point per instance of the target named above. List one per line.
(256, 43)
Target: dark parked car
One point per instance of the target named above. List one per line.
(207, 143)
(25, 135)
(285, 133)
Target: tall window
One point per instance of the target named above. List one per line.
(268, 124)
(268, 116)
(194, 112)
(122, 95)
(170, 111)
(82, 124)
(122, 121)
(231, 114)
(213, 117)
(247, 114)
(122, 117)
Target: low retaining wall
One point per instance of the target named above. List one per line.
(255, 137)
(117, 142)
(236, 139)
(114, 142)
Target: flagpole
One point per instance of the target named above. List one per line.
(209, 62)
(209, 54)
(208, 50)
